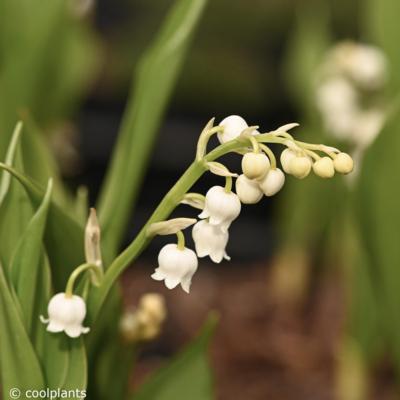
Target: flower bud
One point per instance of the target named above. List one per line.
(176, 267)
(300, 167)
(233, 127)
(248, 190)
(66, 313)
(273, 182)
(343, 163)
(92, 240)
(287, 156)
(255, 165)
(324, 167)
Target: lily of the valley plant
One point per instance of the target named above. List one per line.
(260, 176)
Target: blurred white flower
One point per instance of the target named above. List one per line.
(176, 266)
(210, 240)
(221, 207)
(273, 182)
(66, 313)
(248, 190)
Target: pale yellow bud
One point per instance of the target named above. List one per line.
(343, 163)
(324, 167)
(255, 165)
(92, 240)
(287, 156)
(300, 167)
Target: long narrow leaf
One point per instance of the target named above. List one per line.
(153, 85)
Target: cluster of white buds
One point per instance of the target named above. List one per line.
(145, 322)
(221, 206)
(349, 90)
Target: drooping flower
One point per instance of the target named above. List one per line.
(210, 240)
(66, 314)
(287, 156)
(273, 182)
(176, 266)
(248, 190)
(221, 207)
(233, 126)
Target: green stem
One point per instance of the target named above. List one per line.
(254, 143)
(69, 290)
(164, 209)
(270, 155)
(228, 184)
(181, 240)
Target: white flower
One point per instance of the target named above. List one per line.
(324, 167)
(66, 314)
(210, 240)
(176, 267)
(221, 207)
(343, 163)
(233, 126)
(273, 182)
(367, 127)
(248, 190)
(255, 165)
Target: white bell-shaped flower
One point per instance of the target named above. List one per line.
(176, 266)
(273, 182)
(66, 314)
(221, 207)
(210, 240)
(233, 126)
(248, 190)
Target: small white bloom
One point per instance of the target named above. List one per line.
(233, 126)
(255, 165)
(367, 127)
(248, 190)
(221, 207)
(210, 240)
(176, 267)
(343, 163)
(287, 156)
(272, 182)
(66, 314)
(324, 167)
(300, 166)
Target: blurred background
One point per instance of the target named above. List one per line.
(309, 303)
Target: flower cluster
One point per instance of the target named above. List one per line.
(221, 206)
(349, 90)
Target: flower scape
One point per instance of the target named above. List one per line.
(218, 208)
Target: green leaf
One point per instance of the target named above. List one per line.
(20, 367)
(379, 215)
(188, 376)
(63, 235)
(15, 207)
(27, 261)
(155, 79)
(382, 28)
